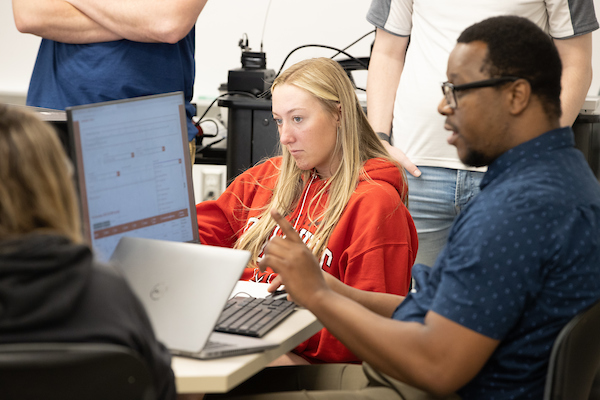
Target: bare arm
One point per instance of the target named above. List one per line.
(576, 56)
(144, 20)
(385, 69)
(58, 20)
(438, 356)
(383, 304)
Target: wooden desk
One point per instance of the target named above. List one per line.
(223, 374)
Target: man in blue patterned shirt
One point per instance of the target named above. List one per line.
(521, 260)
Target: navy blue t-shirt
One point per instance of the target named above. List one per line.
(73, 74)
(521, 260)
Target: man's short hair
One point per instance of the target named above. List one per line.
(518, 47)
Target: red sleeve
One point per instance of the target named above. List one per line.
(221, 221)
(216, 224)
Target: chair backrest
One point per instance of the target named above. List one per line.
(575, 358)
(70, 371)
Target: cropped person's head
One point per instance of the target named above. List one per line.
(36, 191)
(518, 47)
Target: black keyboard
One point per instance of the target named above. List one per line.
(253, 316)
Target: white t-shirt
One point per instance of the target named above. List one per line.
(433, 27)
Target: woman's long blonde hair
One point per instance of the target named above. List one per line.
(357, 142)
(36, 191)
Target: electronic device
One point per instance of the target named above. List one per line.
(590, 106)
(252, 316)
(253, 77)
(183, 287)
(133, 170)
(279, 294)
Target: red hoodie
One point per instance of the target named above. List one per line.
(372, 247)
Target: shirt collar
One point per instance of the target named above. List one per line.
(534, 148)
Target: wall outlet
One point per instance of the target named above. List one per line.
(209, 181)
(211, 184)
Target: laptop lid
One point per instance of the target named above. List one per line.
(133, 170)
(184, 287)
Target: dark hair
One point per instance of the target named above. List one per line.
(518, 47)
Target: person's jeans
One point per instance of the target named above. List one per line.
(434, 200)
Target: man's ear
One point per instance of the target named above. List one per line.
(519, 96)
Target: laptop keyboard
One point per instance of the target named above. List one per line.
(253, 316)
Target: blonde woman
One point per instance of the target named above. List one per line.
(50, 286)
(334, 182)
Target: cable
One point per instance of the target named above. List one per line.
(200, 150)
(356, 41)
(267, 92)
(322, 46)
(201, 119)
(243, 45)
(217, 98)
(216, 125)
(208, 146)
(264, 26)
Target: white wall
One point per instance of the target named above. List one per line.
(290, 23)
(221, 25)
(17, 53)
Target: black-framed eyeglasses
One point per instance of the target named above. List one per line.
(450, 89)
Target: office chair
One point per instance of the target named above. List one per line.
(73, 371)
(575, 358)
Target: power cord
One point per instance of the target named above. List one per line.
(204, 134)
(200, 135)
(322, 46)
(267, 92)
(356, 41)
(217, 98)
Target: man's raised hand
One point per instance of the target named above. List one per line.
(294, 262)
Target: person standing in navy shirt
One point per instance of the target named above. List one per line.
(520, 262)
(94, 51)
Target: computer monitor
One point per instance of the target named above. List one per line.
(133, 170)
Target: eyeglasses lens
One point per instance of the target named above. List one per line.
(449, 95)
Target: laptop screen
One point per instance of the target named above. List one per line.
(133, 170)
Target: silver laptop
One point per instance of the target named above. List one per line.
(184, 287)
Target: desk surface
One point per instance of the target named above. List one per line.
(223, 374)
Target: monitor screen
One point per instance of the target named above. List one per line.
(133, 170)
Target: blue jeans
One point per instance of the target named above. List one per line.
(434, 200)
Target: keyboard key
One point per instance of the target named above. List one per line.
(253, 316)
